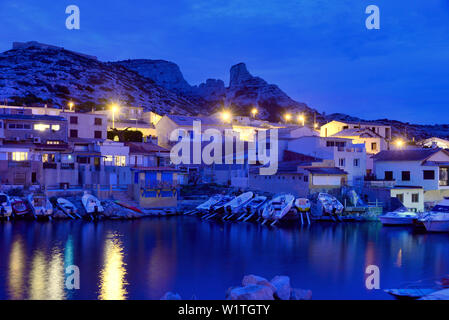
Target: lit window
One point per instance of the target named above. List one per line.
(55, 127)
(108, 160)
(41, 127)
(120, 161)
(20, 156)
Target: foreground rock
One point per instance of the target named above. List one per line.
(258, 288)
(251, 292)
(283, 288)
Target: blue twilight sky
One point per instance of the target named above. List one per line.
(317, 51)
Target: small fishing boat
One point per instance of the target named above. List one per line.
(303, 204)
(252, 208)
(5, 206)
(218, 208)
(278, 208)
(437, 220)
(330, 205)
(91, 204)
(207, 206)
(19, 207)
(220, 205)
(67, 207)
(235, 205)
(401, 216)
(40, 205)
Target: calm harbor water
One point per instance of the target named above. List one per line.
(144, 259)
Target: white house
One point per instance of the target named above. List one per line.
(333, 127)
(435, 142)
(347, 156)
(426, 168)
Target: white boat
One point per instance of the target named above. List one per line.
(67, 207)
(91, 203)
(40, 205)
(222, 203)
(252, 208)
(302, 204)
(19, 207)
(330, 205)
(399, 217)
(207, 206)
(237, 203)
(437, 220)
(5, 206)
(278, 207)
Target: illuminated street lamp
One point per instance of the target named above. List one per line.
(315, 125)
(114, 108)
(254, 112)
(71, 104)
(288, 117)
(399, 143)
(226, 116)
(302, 119)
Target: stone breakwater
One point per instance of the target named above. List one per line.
(254, 287)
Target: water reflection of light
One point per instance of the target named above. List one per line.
(399, 259)
(112, 277)
(38, 277)
(16, 269)
(56, 276)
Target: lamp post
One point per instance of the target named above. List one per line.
(114, 109)
(71, 104)
(302, 119)
(226, 116)
(254, 112)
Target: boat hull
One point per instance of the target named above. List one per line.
(397, 221)
(437, 226)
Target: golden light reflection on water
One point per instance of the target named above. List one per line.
(56, 274)
(47, 278)
(16, 271)
(112, 276)
(38, 276)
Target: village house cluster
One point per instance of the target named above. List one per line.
(52, 148)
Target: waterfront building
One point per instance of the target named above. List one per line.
(302, 177)
(412, 197)
(154, 187)
(346, 155)
(426, 168)
(147, 154)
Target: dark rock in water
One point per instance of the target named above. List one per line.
(253, 279)
(283, 288)
(171, 296)
(251, 292)
(300, 294)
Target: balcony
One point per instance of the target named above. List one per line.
(49, 165)
(19, 164)
(67, 166)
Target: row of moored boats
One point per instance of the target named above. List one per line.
(38, 206)
(251, 207)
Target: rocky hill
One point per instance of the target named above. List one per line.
(51, 75)
(243, 93)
